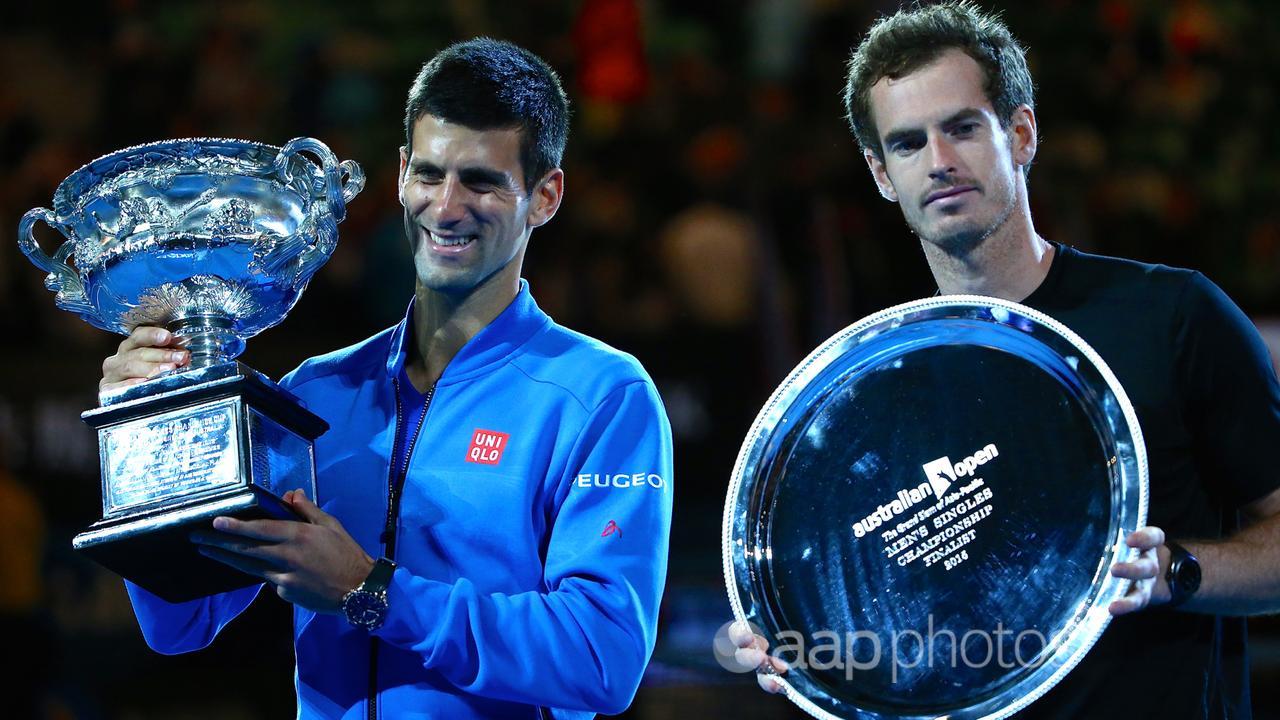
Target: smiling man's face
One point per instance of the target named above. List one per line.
(948, 160)
(467, 213)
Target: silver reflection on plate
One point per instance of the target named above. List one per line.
(214, 239)
(923, 516)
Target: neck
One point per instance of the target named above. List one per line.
(444, 322)
(1009, 264)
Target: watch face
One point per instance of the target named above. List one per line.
(1188, 576)
(365, 609)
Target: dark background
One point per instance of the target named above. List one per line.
(719, 222)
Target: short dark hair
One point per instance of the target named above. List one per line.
(487, 84)
(908, 40)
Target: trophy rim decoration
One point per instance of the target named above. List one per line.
(63, 197)
(751, 458)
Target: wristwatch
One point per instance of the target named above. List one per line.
(1183, 574)
(366, 606)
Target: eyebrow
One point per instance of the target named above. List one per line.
(959, 116)
(476, 175)
(962, 116)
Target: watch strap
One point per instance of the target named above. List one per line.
(379, 577)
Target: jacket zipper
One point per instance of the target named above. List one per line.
(395, 487)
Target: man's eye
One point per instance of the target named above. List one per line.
(966, 128)
(906, 146)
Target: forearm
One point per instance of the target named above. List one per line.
(1239, 575)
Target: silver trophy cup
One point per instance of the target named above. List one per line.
(215, 240)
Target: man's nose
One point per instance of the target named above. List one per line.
(448, 202)
(943, 161)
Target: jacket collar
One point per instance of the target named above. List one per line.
(500, 340)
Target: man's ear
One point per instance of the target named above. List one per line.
(1023, 139)
(881, 175)
(546, 197)
(404, 165)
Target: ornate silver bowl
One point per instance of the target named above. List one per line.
(212, 238)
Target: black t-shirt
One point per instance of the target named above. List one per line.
(1207, 399)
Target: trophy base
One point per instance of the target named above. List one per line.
(180, 450)
(156, 552)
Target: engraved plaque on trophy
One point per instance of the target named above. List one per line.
(214, 239)
(923, 516)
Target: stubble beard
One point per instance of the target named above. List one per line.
(963, 242)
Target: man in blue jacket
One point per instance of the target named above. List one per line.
(495, 491)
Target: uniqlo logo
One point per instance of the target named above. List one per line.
(487, 446)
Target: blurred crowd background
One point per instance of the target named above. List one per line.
(719, 222)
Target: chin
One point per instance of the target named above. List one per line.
(436, 280)
(447, 286)
(958, 240)
(962, 242)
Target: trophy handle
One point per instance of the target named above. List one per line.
(338, 192)
(354, 179)
(62, 278)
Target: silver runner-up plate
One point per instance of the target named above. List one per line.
(923, 517)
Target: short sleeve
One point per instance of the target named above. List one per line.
(1232, 399)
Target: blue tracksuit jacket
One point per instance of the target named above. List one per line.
(530, 566)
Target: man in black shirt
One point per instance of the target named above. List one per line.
(942, 104)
